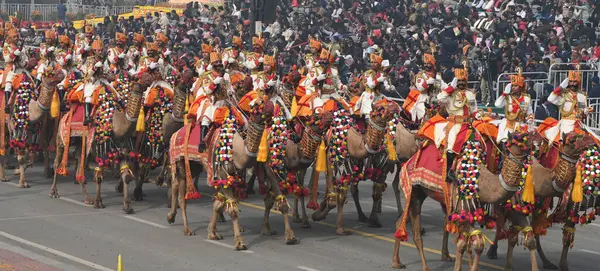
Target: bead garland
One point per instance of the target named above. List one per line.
(516, 203)
(338, 144)
(103, 125)
(224, 149)
(20, 113)
(123, 87)
(589, 163)
(154, 134)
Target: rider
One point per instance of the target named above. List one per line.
(255, 59)
(94, 70)
(449, 134)
(517, 107)
(14, 59)
(118, 53)
(426, 88)
(311, 59)
(137, 50)
(572, 103)
(233, 55)
(374, 79)
(47, 53)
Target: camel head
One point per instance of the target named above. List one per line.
(262, 111)
(574, 144)
(521, 143)
(51, 77)
(320, 122)
(292, 79)
(384, 112)
(144, 80)
(186, 79)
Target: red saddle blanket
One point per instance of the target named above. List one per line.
(426, 172)
(178, 148)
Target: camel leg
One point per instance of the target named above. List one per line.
(377, 201)
(396, 263)
(231, 207)
(530, 244)
(305, 221)
(415, 219)
(57, 160)
(461, 247)
(126, 177)
(266, 229)
(250, 189)
(173, 197)
(478, 245)
(493, 250)
(568, 238)
(138, 194)
(546, 264)
(98, 178)
(512, 242)
(354, 191)
(218, 205)
(180, 196)
(296, 213)
(23, 161)
(445, 252)
(341, 201)
(331, 198)
(395, 187)
(3, 177)
(283, 206)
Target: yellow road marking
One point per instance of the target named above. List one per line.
(371, 235)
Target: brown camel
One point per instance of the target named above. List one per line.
(549, 183)
(359, 148)
(185, 165)
(493, 189)
(38, 112)
(297, 157)
(124, 122)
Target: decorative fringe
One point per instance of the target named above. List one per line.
(191, 192)
(451, 227)
(294, 107)
(80, 172)
(140, 126)
(2, 125)
(263, 148)
(55, 106)
(186, 110)
(321, 164)
(401, 233)
(62, 168)
(391, 149)
(541, 223)
(577, 193)
(528, 194)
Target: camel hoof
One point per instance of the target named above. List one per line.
(88, 202)
(306, 224)
(317, 216)
(446, 258)
(24, 185)
(138, 195)
(374, 223)
(188, 232)
(241, 247)
(549, 266)
(398, 266)
(492, 253)
(291, 241)
(119, 187)
(215, 236)
(362, 218)
(171, 218)
(128, 211)
(54, 194)
(242, 229)
(4, 179)
(266, 230)
(343, 232)
(98, 205)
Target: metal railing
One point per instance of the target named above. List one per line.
(45, 12)
(560, 71)
(531, 79)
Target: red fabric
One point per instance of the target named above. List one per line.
(557, 90)
(449, 90)
(461, 138)
(550, 158)
(427, 172)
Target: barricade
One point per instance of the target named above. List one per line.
(559, 71)
(532, 79)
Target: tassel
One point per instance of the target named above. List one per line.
(528, 195)
(577, 194)
(263, 148)
(55, 106)
(390, 148)
(294, 107)
(321, 158)
(141, 122)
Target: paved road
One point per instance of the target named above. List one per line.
(40, 233)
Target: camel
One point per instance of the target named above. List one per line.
(550, 183)
(359, 148)
(185, 165)
(123, 126)
(297, 157)
(38, 110)
(492, 189)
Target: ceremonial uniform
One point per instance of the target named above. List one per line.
(373, 79)
(118, 53)
(517, 108)
(233, 56)
(255, 58)
(424, 94)
(14, 59)
(137, 51)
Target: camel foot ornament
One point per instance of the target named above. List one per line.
(214, 236)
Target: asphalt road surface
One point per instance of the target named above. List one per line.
(41, 233)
